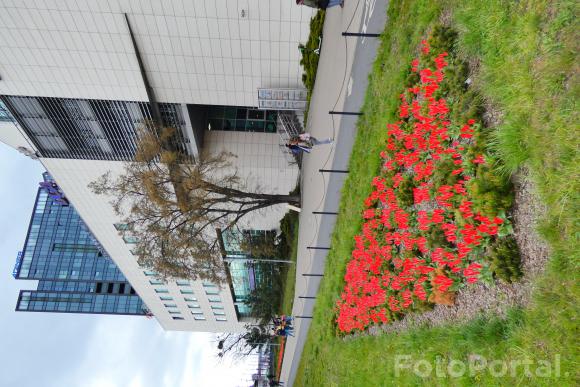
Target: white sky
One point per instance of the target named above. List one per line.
(62, 350)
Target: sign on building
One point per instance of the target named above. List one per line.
(54, 192)
(282, 99)
(17, 264)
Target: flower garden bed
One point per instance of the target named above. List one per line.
(438, 216)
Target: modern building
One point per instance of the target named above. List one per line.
(74, 273)
(79, 79)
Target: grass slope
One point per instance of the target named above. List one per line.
(528, 71)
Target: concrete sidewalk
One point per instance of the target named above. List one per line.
(341, 83)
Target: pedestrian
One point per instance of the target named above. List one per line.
(297, 149)
(322, 4)
(308, 140)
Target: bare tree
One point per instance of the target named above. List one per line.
(239, 345)
(173, 205)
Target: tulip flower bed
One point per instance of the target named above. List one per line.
(437, 208)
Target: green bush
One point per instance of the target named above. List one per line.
(443, 38)
(492, 193)
(309, 59)
(405, 192)
(443, 173)
(505, 259)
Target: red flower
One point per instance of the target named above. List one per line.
(424, 47)
(414, 65)
(392, 258)
(443, 282)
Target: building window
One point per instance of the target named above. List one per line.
(156, 282)
(196, 312)
(174, 312)
(177, 318)
(219, 313)
(161, 290)
(166, 298)
(122, 226)
(4, 113)
(182, 283)
(212, 291)
(190, 298)
(214, 299)
(186, 291)
(170, 305)
(209, 285)
(193, 306)
(199, 317)
(241, 119)
(221, 319)
(217, 307)
(130, 239)
(149, 273)
(89, 129)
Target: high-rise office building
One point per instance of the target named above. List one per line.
(80, 78)
(74, 273)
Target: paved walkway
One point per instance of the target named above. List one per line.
(341, 82)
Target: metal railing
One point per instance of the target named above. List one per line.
(289, 127)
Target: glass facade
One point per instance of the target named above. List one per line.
(241, 119)
(88, 129)
(75, 275)
(4, 113)
(244, 272)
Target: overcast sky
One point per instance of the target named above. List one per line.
(69, 350)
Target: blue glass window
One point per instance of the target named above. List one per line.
(130, 239)
(74, 272)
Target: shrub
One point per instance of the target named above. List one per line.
(492, 192)
(505, 259)
(309, 59)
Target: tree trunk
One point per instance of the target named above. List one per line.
(270, 198)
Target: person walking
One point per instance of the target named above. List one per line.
(322, 4)
(307, 140)
(297, 149)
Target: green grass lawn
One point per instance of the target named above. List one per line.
(528, 71)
